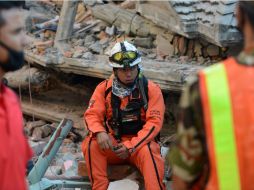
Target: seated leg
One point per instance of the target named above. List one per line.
(96, 163)
(151, 165)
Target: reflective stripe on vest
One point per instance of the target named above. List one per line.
(222, 127)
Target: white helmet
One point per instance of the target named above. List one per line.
(124, 54)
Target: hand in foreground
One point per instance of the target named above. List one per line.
(122, 152)
(104, 140)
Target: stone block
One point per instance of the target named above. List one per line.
(144, 42)
(37, 146)
(164, 47)
(213, 50)
(33, 124)
(110, 30)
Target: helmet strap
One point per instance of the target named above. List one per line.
(123, 48)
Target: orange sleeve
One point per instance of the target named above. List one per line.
(154, 119)
(95, 113)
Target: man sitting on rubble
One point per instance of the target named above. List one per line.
(14, 149)
(124, 116)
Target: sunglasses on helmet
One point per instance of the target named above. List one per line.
(120, 56)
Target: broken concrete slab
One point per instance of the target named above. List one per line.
(79, 42)
(46, 130)
(151, 56)
(96, 48)
(37, 146)
(102, 35)
(70, 168)
(168, 74)
(143, 42)
(164, 47)
(110, 30)
(47, 112)
(128, 4)
(53, 171)
(37, 134)
(77, 54)
(89, 40)
(214, 20)
(127, 21)
(213, 50)
(32, 125)
(88, 55)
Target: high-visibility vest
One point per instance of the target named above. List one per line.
(227, 95)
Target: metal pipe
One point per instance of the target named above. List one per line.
(49, 152)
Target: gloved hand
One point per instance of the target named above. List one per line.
(104, 141)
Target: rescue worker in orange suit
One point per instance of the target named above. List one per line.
(215, 147)
(124, 118)
(14, 149)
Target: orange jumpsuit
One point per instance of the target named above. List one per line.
(144, 151)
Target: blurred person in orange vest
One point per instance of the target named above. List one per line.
(14, 149)
(124, 117)
(215, 147)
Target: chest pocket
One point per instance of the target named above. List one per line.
(130, 117)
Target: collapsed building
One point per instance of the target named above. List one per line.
(70, 44)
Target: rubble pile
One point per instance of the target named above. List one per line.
(69, 162)
(65, 164)
(99, 26)
(68, 57)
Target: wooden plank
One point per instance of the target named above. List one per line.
(65, 25)
(169, 75)
(22, 77)
(128, 21)
(48, 113)
(66, 20)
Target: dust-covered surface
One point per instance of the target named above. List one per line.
(68, 57)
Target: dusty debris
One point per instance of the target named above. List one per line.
(37, 146)
(96, 48)
(21, 78)
(30, 126)
(128, 4)
(144, 42)
(164, 48)
(37, 134)
(41, 46)
(78, 54)
(124, 184)
(213, 50)
(182, 45)
(197, 49)
(47, 24)
(88, 56)
(169, 57)
(110, 30)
